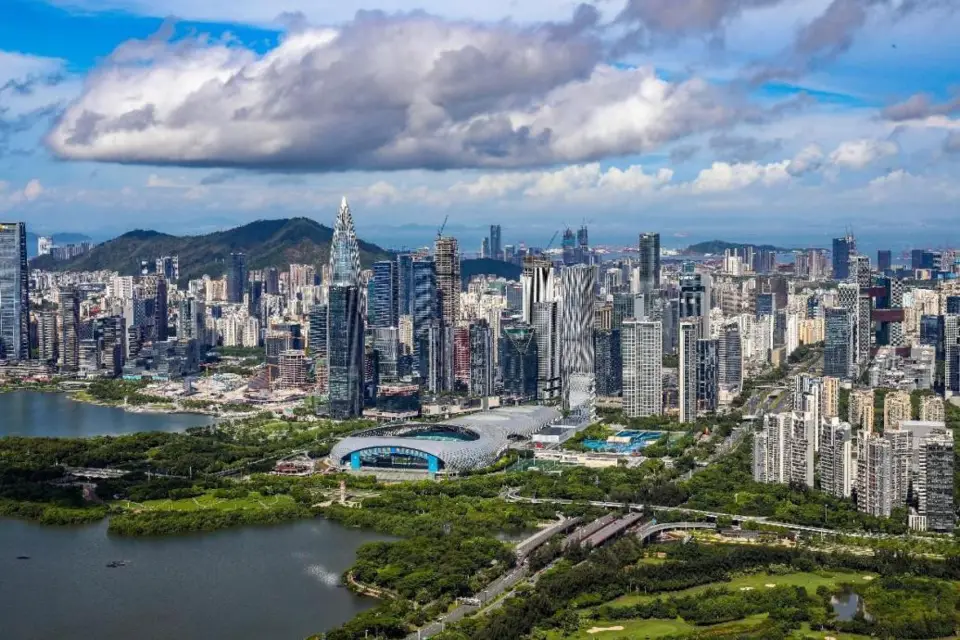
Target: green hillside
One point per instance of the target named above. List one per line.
(266, 243)
(488, 267)
(717, 247)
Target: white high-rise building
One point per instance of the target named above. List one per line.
(901, 462)
(771, 458)
(688, 372)
(546, 332)
(792, 335)
(251, 332)
(896, 408)
(44, 245)
(801, 447)
(539, 285)
(642, 354)
(783, 449)
(731, 357)
(122, 287)
(874, 474)
(836, 458)
(807, 391)
(406, 334)
(932, 409)
(830, 398)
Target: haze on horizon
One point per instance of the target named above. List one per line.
(763, 121)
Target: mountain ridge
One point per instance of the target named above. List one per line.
(716, 247)
(277, 242)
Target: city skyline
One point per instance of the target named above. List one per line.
(479, 311)
(830, 119)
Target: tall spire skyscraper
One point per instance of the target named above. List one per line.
(344, 251)
(345, 372)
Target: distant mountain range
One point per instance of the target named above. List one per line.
(266, 243)
(59, 239)
(716, 247)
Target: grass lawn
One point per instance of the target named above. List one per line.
(759, 581)
(208, 501)
(642, 629)
(805, 633)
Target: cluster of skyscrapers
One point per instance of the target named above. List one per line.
(423, 332)
(634, 331)
(907, 465)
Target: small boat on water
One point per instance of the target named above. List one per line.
(23, 557)
(117, 563)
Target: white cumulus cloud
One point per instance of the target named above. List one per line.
(383, 93)
(858, 154)
(722, 176)
(810, 158)
(33, 190)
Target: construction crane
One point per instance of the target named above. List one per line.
(440, 230)
(550, 244)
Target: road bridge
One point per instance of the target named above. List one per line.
(652, 529)
(530, 545)
(711, 515)
(578, 536)
(91, 472)
(613, 529)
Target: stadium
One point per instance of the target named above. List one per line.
(457, 445)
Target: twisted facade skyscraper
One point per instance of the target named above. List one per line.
(577, 365)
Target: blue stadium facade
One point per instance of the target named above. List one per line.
(460, 444)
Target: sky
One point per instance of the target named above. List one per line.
(783, 121)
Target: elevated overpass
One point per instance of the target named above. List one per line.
(513, 496)
(653, 529)
(581, 534)
(530, 545)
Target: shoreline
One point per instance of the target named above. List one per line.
(75, 396)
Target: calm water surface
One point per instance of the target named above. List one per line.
(253, 583)
(847, 605)
(33, 413)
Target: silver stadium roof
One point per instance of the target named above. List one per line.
(477, 440)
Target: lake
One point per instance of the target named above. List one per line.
(847, 605)
(275, 582)
(34, 413)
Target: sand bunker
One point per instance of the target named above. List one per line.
(746, 588)
(769, 585)
(868, 578)
(594, 630)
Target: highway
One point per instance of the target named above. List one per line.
(504, 582)
(778, 397)
(612, 530)
(514, 497)
(528, 546)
